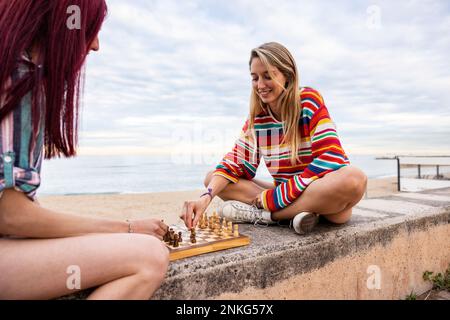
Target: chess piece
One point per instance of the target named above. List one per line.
(216, 228)
(211, 223)
(236, 230)
(176, 240)
(203, 223)
(167, 236)
(230, 228)
(193, 236)
(180, 238)
(171, 236)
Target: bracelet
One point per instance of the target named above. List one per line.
(130, 229)
(209, 193)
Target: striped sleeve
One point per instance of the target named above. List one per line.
(328, 156)
(243, 160)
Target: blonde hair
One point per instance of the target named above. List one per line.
(274, 54)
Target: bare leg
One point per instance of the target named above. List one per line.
(244, 190)
(122, 266)
(333, 195)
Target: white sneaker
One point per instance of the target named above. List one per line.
(239, 212)
(305, 222)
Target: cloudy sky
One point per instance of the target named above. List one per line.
(172, 76)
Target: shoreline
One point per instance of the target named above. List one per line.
(113, 193)
(425, 176)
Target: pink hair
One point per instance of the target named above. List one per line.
(42, 24)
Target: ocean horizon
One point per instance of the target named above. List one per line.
(144, 174)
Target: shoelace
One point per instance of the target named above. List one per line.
(252, 214)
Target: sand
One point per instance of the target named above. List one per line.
(164, 205)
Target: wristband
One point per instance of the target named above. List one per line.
(130, 229)
(209, 193)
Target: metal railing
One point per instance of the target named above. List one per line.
(420, 162)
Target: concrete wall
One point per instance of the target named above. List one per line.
(401, 264)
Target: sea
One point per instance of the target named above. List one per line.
(143, 174)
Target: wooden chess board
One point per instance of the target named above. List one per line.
(207, 242)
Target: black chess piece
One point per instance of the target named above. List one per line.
(176, 243)
(171, 237)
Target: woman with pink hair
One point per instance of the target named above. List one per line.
(46, 254)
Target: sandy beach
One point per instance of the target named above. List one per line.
(164, 205)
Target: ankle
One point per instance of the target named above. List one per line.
(274, 219)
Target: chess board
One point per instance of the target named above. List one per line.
(207, 242)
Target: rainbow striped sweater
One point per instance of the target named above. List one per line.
(320, 152)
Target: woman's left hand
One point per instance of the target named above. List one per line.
(154, 227)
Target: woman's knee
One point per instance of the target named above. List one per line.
(149, 257)
(354, 182)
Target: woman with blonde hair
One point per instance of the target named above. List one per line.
(291, 129)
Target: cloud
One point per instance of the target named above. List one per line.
(171, 66)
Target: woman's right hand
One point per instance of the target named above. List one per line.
(152, 227)
(193, 210)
